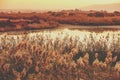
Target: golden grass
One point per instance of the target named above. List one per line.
(60, 55)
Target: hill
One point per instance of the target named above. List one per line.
(106, 7)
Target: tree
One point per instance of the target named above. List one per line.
(99, 14)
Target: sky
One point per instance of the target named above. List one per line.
(51, 4)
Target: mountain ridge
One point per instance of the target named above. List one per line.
(105, 7)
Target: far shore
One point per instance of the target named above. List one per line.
(72, 19)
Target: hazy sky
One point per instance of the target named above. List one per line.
(51, 4)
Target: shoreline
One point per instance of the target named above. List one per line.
(67, 26)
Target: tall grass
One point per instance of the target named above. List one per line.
(60, 55)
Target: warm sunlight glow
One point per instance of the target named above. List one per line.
(51, 4)
(1, 2)
(108, 37)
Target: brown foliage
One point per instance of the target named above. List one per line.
(38, 55)
(26, 21)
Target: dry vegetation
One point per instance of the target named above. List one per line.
(34, 20)
(60, 55)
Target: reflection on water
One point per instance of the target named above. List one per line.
(65, 38)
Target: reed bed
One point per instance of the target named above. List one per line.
(60, 55)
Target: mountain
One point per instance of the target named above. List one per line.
(106, 7)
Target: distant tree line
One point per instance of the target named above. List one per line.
(103, 14)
